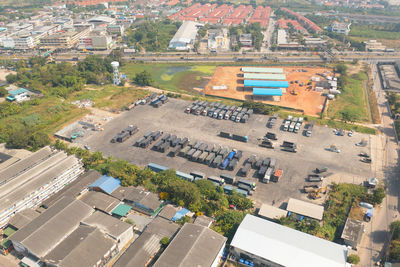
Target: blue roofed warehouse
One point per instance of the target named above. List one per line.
(272, 84)
(106, 184)
(267, 92)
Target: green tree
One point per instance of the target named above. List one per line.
(164, 241)
(395, 228)
(3, 91)
(228, 221)
(378, 195)
(11, 78)
(353, 259)
(143, 78)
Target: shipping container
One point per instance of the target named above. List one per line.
(217, 161)
(190, 153)
(210, 158)
(184, 151)
(202, 147)
(197, 145)
(225, 134)
(245, 170)
(196, 155)
(203, 156)
(228, 178)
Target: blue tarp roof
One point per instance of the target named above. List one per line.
(258, 83)
(267, 91)
(179, 214)
(106, 183)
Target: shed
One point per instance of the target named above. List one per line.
(267, 92)
(168, 212)
(100, 201)
(262, 70)
(304, 208)
(270, 212)
(264, 76)
(107, 184)
(179, 214)
(121, 210)
(204, 221)
(352, 232)
(261, 83)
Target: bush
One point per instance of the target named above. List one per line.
(378, 195)
(143, 78)
(164, 241)
(395, 228)
(353, 259)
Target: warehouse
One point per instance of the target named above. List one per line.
(147, 245)
(74, 189)
(185, 37)
(271, 213)
(46, 231)
(28, 182)
(140, 199)
(264, 76)
(194, 245)
(266, 243)
(120, 231)
(270, 84)
(22, 218)
(266, 92)
(305, 209)
(100, 201)
(105, 184)
(262, 70)
(85, 246)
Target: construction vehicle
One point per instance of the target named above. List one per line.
(316, 194)
(310, 188)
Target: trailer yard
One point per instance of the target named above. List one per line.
(170, 119)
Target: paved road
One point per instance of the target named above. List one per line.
(376, 238)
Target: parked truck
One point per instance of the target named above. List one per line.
(314, 178)
(240, 138)
(268, 175)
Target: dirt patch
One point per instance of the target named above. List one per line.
(4, 73)
(356, 68)
(308, 100)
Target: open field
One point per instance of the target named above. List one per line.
(182, 77)
(170, 118)
(308, 100)
(352, 99)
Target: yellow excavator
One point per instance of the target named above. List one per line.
(316, 193)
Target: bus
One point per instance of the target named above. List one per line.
(228, 178)
(156, 167)
(197, 174)
(185, 176)
(249, 183)
(216, 179)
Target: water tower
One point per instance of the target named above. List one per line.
(116, 78)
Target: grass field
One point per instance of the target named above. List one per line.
(359, 31)
(352, 99)
(177, 77)
(110, 97)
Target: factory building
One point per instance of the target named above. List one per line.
(185, 37)
(28, 182)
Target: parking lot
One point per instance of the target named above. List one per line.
(170, 118)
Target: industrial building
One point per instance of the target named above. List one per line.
(194, 245)
(140, 199)
(19, 95)
(120, 231)
(22, 218)
(142, 251)
(265, 243)
(264, 76)
(261, 70)
(352, 232)
(266, 93)
(185, 37)
(268, 84)
(305, 209)
(105, 184)
(100, 201)
(26, 183)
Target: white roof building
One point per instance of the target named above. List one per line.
(272, 244)
(304, 208)
(185, 36)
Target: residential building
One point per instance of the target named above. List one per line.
(246, 39)
(217, 39)
(65, 40)
(303, 209)
(340, 27)
(185, 37)
(120, 231)
(26, 183)
(352, 232)
(44, 233)
(194, 245)
(140, 199)
(265, 243)
(24, 42)
(168, 212)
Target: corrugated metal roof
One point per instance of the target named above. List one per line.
(18, 91)
(179, 214)
(271, 212)
(264, 76)
(267, 91)
(262, 70)
(258, 83)
(121, 210)
(254, 235)
(106, 183)
(304, 208)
